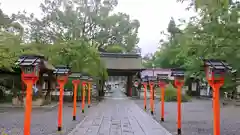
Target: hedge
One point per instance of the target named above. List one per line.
(171, 94)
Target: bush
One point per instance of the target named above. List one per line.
(171, 94)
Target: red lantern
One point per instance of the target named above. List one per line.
(178, 74)
(29, 65)
(62, 73)
(215, 71)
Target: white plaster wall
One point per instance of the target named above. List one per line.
(150, 72)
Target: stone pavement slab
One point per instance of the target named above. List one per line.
(43, 120)
(118, 117)
(196, 117)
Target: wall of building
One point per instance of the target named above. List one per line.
(155, 72)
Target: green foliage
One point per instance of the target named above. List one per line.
(92, 21)
(6, 98)
(9, 49)
(148, 60)
(69, 33)
(115, 49)
(69, 84)
(214, 33)
(171, 94)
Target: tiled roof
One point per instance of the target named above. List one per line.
(158, 69)
(33, 60)
(120, 55)
(62, 70)
(28, 61)
(217, 64)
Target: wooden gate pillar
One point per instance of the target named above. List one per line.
(129, 85)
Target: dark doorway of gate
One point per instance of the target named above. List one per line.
(124, 68)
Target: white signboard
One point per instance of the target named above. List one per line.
(194, 86)
(209, 71)
(84, 77)
(75, 75)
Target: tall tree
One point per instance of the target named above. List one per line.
(210, 35)
(91, 20)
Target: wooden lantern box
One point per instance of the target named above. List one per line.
(215, 69)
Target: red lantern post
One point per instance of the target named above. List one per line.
(162, 78)
(145, 95)
(89, 91)
(179, 82)
(162, 86)
(75, 84)
(89, 94)
(62, 73)
(151, 84)
(215, 71)
(61, 81)
(30, 73)
(83, 95)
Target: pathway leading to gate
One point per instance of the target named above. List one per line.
(118, 115)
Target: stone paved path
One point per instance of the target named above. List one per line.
(43, 120)
(197, 117)
(118, 116)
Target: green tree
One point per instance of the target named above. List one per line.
(115, 49)
(69, 33)
(214, 33)
(82, 19)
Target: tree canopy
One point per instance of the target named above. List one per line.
(70, 32)
(213, 33)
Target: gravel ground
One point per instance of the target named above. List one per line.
(197, 117)
(44, 121)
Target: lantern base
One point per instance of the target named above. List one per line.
(145, 108)
(179, 131)
(59, 128)
(88, 106)
(162, 119)
(152, 112)
(82, 111)
(74, 117)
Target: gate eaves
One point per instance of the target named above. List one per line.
(122, 61)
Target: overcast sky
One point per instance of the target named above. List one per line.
(153, 15)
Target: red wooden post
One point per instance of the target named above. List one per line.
(62, 80)
(216, 84)
(89, 94)
(179, 83)
(75, 84)
(145, 96)
(162, 86)
(151, 84)
(83, 96)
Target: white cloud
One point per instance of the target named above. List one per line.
(153, 15)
